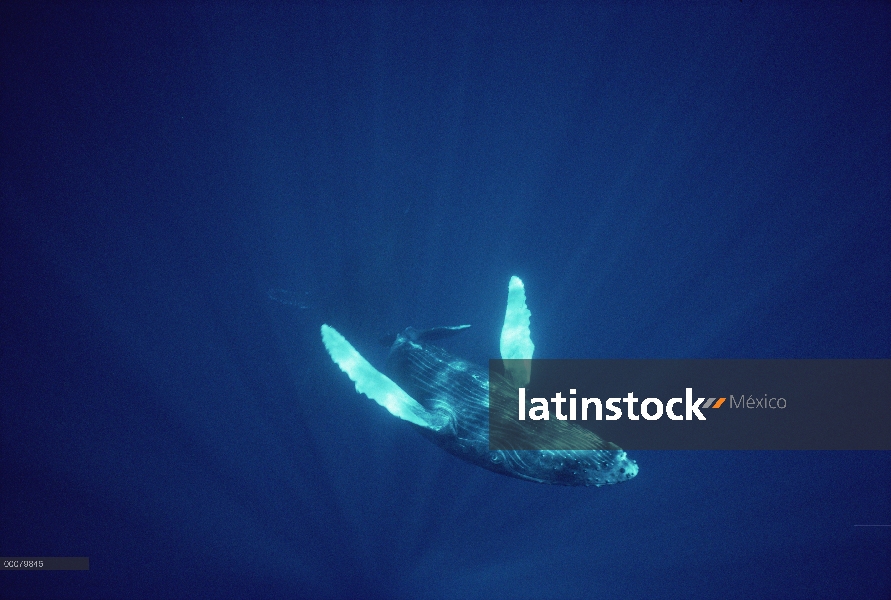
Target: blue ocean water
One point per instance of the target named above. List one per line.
(189, 190)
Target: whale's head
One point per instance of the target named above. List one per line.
(592, 468)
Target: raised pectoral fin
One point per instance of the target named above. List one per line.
(376, 385)
(516, 343)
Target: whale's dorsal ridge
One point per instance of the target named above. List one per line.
(435, 333)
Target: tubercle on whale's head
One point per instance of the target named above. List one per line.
(619, 470)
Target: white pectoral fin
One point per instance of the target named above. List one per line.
(516, 343)
(376, 385)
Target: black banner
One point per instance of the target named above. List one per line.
(45, 563)
(693, 405)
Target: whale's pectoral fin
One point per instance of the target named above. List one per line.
(376, 385)
(516, 345)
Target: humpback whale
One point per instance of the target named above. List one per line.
(447, 399)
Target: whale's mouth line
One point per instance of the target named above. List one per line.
(447, 398)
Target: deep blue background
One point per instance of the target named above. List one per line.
(697, 181)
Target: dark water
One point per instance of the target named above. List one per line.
(709, 181)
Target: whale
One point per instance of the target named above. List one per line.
(446, 399)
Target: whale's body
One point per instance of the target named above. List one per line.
(447, 399)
